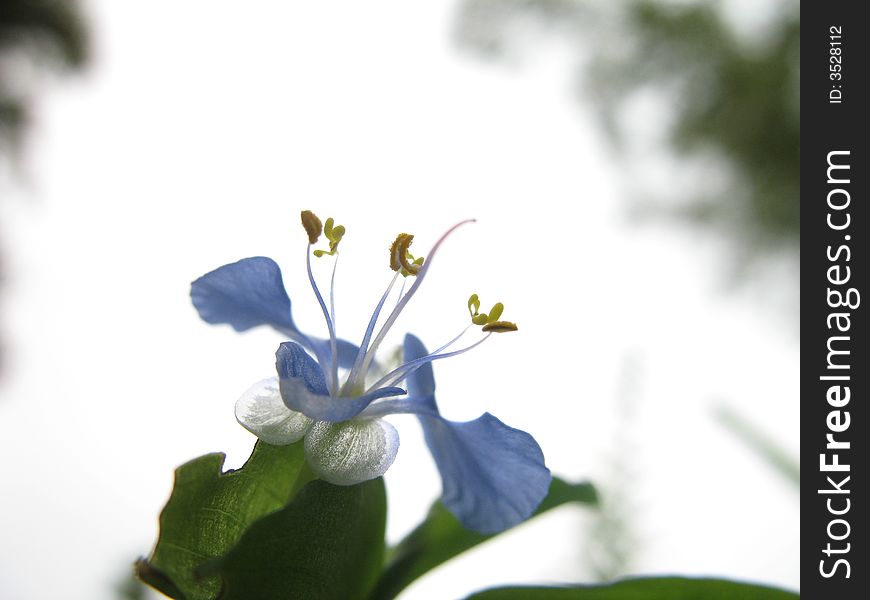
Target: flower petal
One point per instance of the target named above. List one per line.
(261, 411)
(351, 452)
(244, 294)
(303, 388)
(422, 381)
(346, 350)
(493, 476)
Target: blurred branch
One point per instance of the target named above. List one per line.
(49, 34)
(731, 100)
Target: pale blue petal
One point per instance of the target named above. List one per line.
(244, 294)
(303, 388)
(251, 292)
(422, 381)
(493, 476)
(346, 351)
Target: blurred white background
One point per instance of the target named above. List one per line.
(196, 137)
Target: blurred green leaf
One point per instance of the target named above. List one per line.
(328, 543)
(761, 443)
(441, 537)
(647, 588)
(209, 510)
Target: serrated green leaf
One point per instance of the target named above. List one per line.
(328, 543)
(645, 588)
(209, 510)
(441, 537)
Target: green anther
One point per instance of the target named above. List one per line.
(489, 321)
(336, 234)
(312, 226)
(495, 313)
(333, 233)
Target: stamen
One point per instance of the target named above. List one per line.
(473, 305)
(400, 257)
(312, 226)
(418, 262)
(333, 233)
(333, 343)
(489, 321)
(403, 366)
(407, 297)
(499, 327)
(495, 312)
(363, 348)
(404, 371)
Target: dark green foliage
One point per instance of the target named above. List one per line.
(328, 543)
(267, 531)
(441, 537)
(259, 533)
(647, 588)
(736, 100)
(209, 511)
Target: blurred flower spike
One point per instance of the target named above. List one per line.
(334, 394)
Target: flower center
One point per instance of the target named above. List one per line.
(402, 262)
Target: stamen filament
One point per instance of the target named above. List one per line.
(363, 348)
(397, 375)
(404, 300)
(333, 344)
(397, 370)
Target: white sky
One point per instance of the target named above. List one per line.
(200, 132)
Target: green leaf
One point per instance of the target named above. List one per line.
(761, 443)
(328, 543)
(646, 588)
(441, 537)
(209, 510)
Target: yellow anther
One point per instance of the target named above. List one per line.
(473, 305)
(333, 232)
(489, 321)
(500, 327)
(400, 258)
(495, 313)
(312, 226)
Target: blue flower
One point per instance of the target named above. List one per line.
(333, 394)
